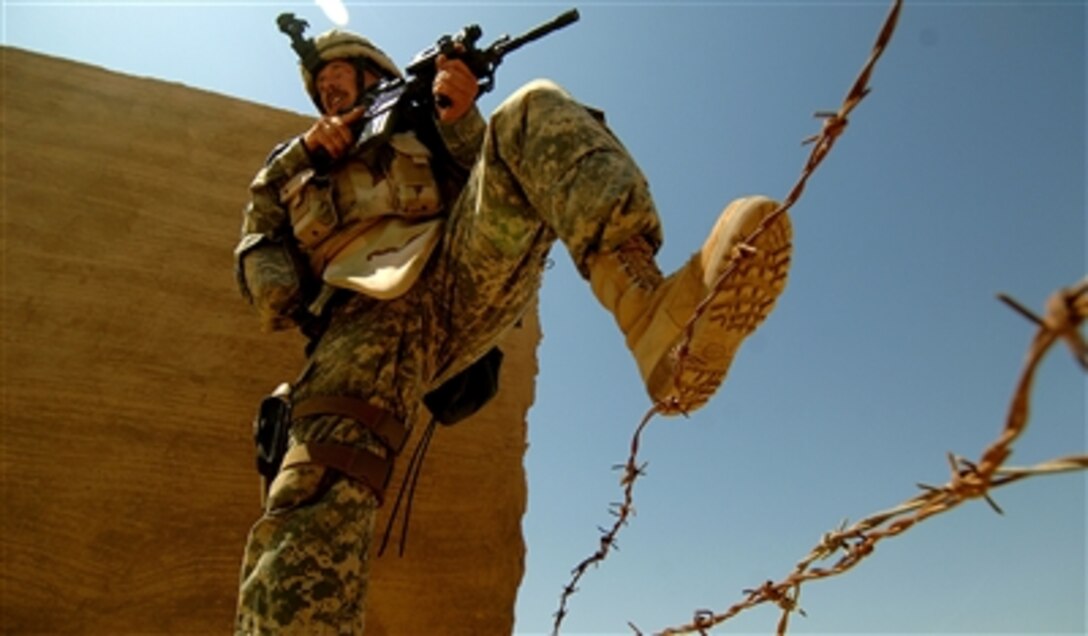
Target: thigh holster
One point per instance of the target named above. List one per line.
(359, 464)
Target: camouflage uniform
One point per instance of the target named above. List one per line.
(545, 167)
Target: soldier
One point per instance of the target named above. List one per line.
(406, 264)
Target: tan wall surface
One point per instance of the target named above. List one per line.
(131, 369)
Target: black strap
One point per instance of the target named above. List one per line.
(411, 478)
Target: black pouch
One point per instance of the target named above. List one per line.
(468, 391)
(270, 429)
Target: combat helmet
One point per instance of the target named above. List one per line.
(337, 44)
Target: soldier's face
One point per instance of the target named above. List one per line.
(337, 86)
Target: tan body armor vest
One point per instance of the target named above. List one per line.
(369, 226)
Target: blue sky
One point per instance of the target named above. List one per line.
(962, 175)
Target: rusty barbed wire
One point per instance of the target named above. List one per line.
(622, 511)
(834, 125)
(1066, 310)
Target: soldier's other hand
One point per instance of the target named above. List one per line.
(454, 89)
(332, 133)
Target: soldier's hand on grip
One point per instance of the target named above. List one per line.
(454, 89)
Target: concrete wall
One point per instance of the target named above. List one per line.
(131, 369)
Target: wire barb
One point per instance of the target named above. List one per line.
(621, 511)
(849, 544)
(1066, 310)
(833, 126)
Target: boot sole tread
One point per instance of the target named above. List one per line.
(743, 301)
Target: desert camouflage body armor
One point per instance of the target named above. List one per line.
(371, 225)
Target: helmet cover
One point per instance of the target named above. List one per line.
(344, 45)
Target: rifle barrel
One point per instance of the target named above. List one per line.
(558, 22)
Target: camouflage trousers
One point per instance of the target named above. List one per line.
(549, 169)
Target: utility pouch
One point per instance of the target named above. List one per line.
(309, 200)
(270, 429)
(415, 190)
(468, 391)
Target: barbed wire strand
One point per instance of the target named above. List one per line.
(834, 125)
(1067, 309)
(622, 511)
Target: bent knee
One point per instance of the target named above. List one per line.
(538, 93)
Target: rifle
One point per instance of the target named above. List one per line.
(482, 63)
(408, 103)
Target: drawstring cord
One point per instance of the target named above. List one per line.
(411, 479)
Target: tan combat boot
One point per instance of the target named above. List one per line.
(653, 311)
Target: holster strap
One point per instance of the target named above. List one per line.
(360, 464)
(380, 422)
